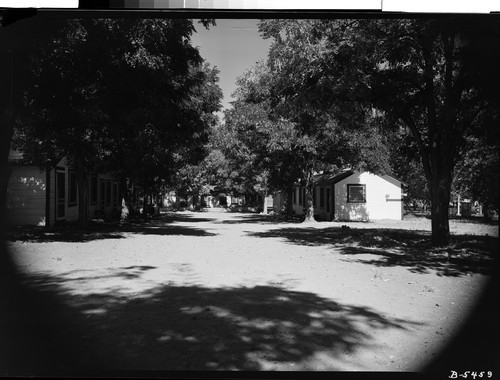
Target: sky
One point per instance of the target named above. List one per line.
(233, 46)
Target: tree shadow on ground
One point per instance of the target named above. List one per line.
(264, 219)
(172, 217)
(124, 273)
(198, 328)
(457, 219)
(98, 230)
(391, 247)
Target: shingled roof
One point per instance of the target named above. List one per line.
(320, 179)
(332, 178)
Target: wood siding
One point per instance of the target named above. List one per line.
(27, 196)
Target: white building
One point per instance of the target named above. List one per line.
(353, 196)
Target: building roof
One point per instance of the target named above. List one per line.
(332, 178)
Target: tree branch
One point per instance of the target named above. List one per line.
(405, 116)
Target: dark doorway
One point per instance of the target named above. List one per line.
(222, 199)
(60, 194)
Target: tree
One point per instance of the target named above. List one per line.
(331, 135)
(132, 98)
(286, 147)
(154, 138)
(406, 165)
(63, 120)
(478, 168)
(421, 72)
(260, 144)
(17, 38)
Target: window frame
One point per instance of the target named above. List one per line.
(350, 186)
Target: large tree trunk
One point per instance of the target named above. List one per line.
(309, 197)
(440, 199)
(309, 205)
(82, 183)
(439, 174)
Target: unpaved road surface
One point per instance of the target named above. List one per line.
(230, 291)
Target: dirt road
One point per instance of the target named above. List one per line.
(229, 291)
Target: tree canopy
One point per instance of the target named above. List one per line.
(129, 96)
(298, 138)
(421, 72)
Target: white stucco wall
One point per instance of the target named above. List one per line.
(383, 198)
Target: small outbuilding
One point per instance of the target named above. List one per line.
(349, 195)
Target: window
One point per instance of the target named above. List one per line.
(72, 188)
(322, 197)
(294, 196)
(301, 193)
(314, 196)
(356, 193)
(93, 189)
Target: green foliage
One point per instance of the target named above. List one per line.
(478, 169)
(259, 146)
(405, 163)
(477, 174)
(422, 72)
(132, 96)
(312, 64)
(274, 138)
(127, 96)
